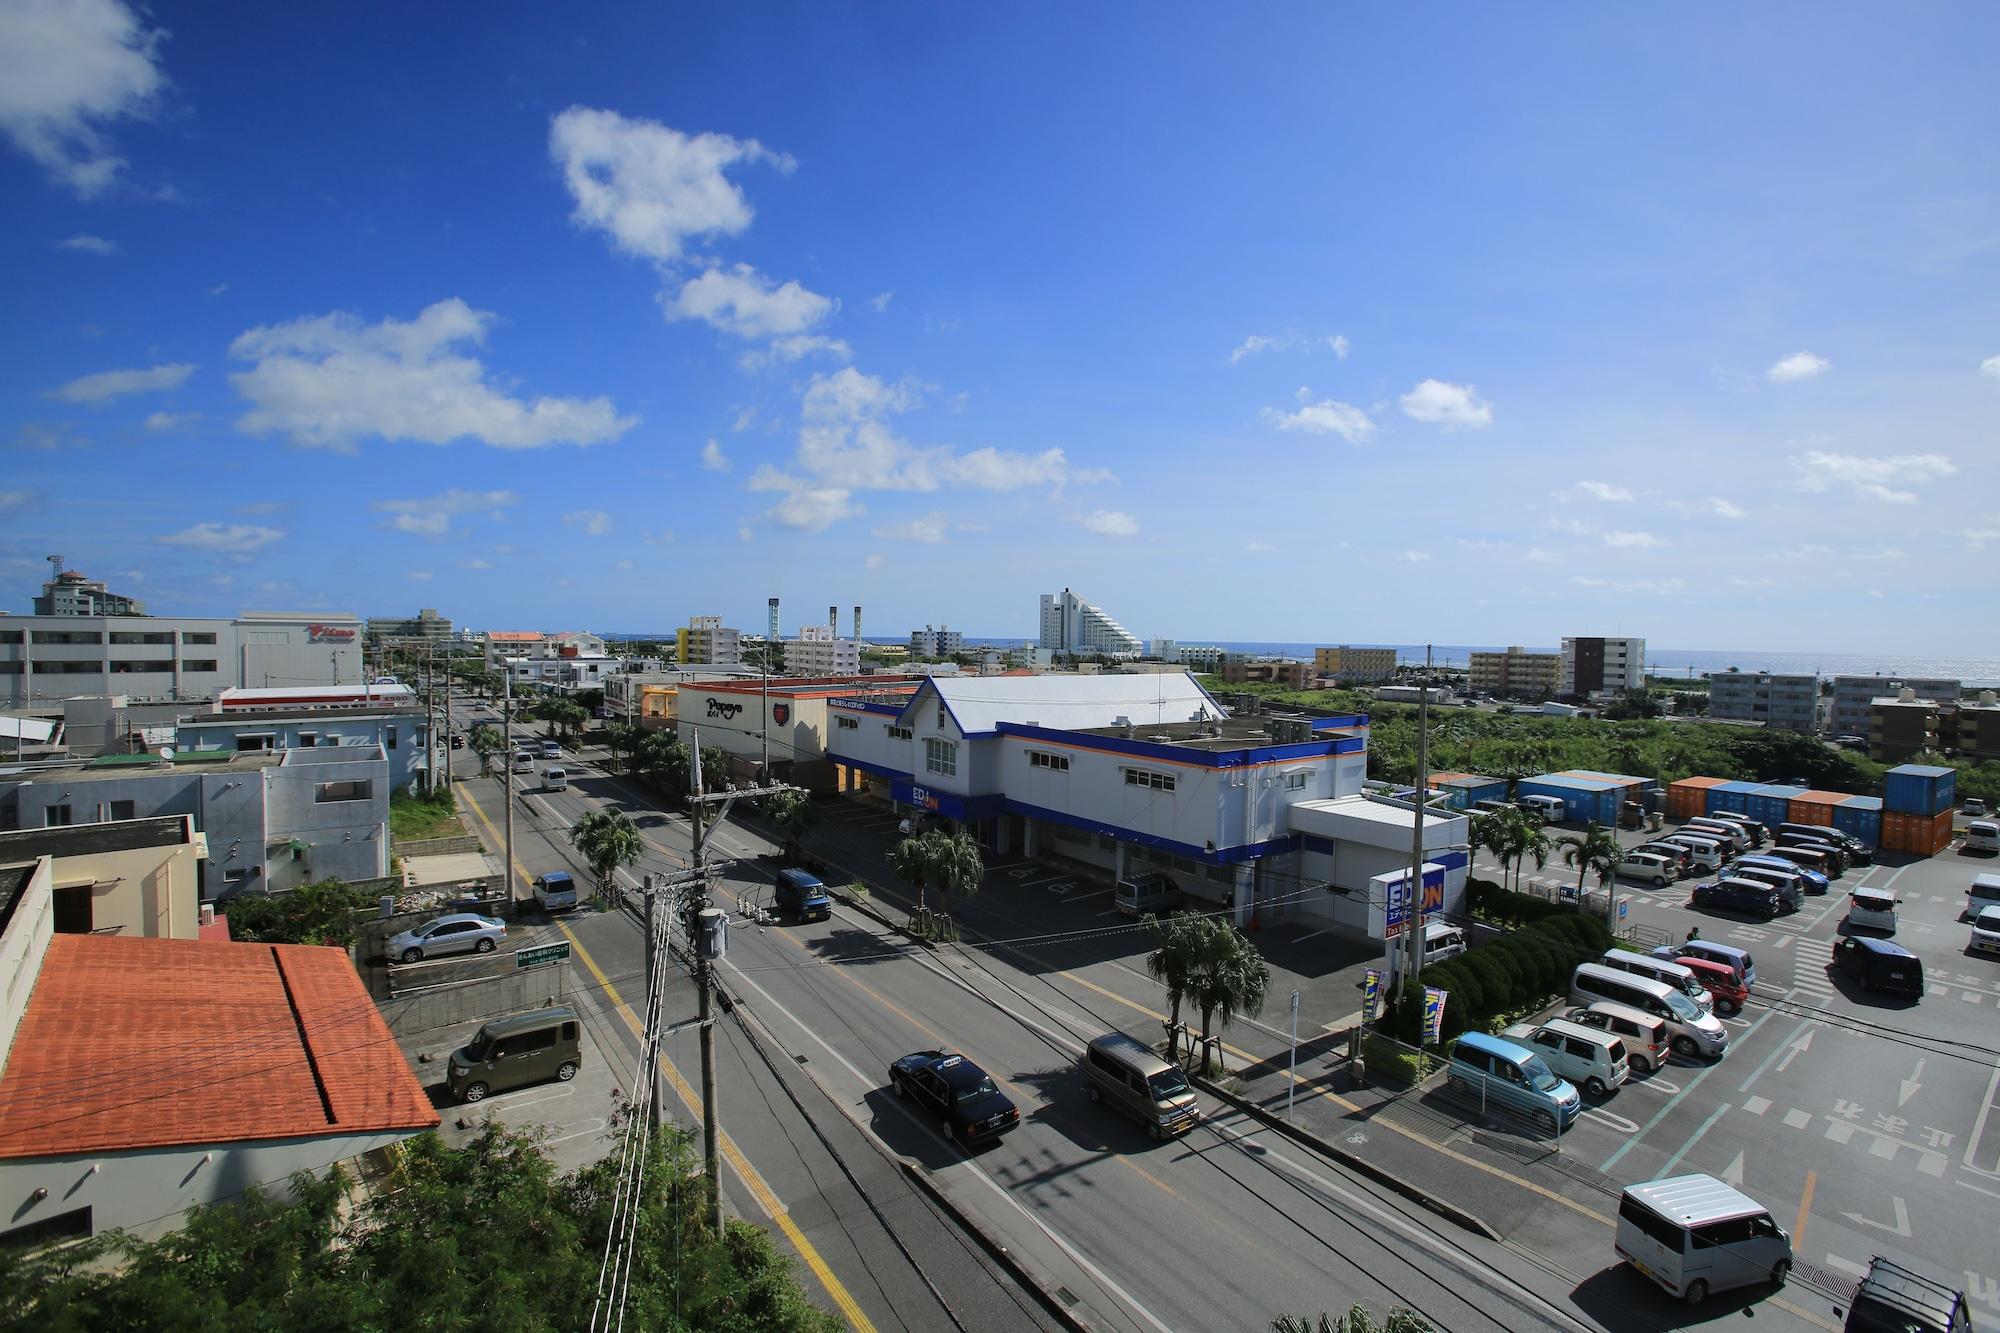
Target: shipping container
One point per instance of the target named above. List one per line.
(1916, 835)
(1771, 806)
(1689, 797)
(1817, 807)
(1733, 797)
(1860, 817)
(1463, 791)
(1583, 799)
(1616, 779)
(1920, 789)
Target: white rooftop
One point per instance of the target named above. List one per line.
(26, 728)
(1071, 703)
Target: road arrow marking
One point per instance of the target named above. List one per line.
(1804, 1041)
(1733, 1173)
(1910, 1084)
(1902, 1227)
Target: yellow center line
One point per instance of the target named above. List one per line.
(748, 1174)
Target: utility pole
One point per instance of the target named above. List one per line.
(704, 982)
(1413, 925)
(507, 773)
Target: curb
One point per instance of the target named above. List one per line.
(1450, 1212)
(1001, 1255)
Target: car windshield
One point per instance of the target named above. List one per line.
(1168, 1083)
(475, 1050)
(972, 1092)
(1540, 1077)
(1684, 1008)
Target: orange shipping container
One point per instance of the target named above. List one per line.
(1689, 797)
(1815, 807)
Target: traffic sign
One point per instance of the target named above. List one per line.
(541, 955)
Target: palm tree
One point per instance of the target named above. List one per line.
(1595, 849)
(1170, 965)
(607, 840)
(1228, 977)
(486, 742)
(910, 859)
(623, 738)
(792, 814)
(956, 863)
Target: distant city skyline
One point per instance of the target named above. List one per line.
(1350, 321)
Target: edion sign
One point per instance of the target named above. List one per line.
(330, 633)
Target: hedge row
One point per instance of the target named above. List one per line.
(1487, 901)
(1506, 976)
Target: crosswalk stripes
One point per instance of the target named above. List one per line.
(1811, 959)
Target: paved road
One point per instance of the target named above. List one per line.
(1222, 1229)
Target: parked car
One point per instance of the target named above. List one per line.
(1738, 895)
(1791, 886)
(511, 1052)
(1759, 835)
(1872, 909)
(1652, 867)
(1147, 891)
(1880, 965)
(1982, 835)
(1511, 1077)
(1894, 1299)
(1588, 1057)
(1644, 1036)
(1675, 852)
(1986, 931)
(957, 1093)
(1724, 986)
(1816, 881)
(1736, 960)
(1974, 808)
(1703, 853)
(1695, 1234)
(458, 932)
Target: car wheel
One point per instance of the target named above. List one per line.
(896, 1085)
(475, 1092)
(1640, 1063)
(486, 946)
(1157, 1133)
(950, 1133)
(566, 1070)
(1090, 1090)
(1780, 1271)
(1697, 1292)
(1684, 1046)
(413, 955)
(1735, 1008)
(1593, 1085)
(1546, 1119)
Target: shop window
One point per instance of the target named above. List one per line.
(1146, 777)
(1057, 762)
(848, 724)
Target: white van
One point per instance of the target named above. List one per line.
(524, 762)
(1735, 835)
(1550, 808)
(1695, 1234)
(1703, 853)
(1662, 970)
(1985, 892)
(556, 779)
(1872, 909)
(1692, 1031)
(1644, 1036)
(1982, 835)
(1440, 942)
(1589, 1057)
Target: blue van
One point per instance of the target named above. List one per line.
(1816, 881)
(1496, 1072)
(803, 897)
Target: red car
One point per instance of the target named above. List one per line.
(1721, 983)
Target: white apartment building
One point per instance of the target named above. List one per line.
(1853, 696)
(47, 659)
(939, 642)
(1072, 625)
(707, 640)
(818, 651)
(1780, 702)
(1593, 667)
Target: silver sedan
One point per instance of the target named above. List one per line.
(460, 932)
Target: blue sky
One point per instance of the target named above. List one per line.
(1474, 325)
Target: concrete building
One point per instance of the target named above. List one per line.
(933, 643)
(818, 651)
(1597, 667)
(274, 819)
(1292, 675)
(1193, 656)
(138, 877)
(428, 626)
(1854, 696)
(140, 1077)
(705, 639)
(1515, 673)
(71, 594)
(47, 659)
(1901, 724)
(1413, 694)
(1354, 666)
(1256, 814)
(1780, 702)
(1075, 627)
(398, 727)
(1977, 735)
(783, 717)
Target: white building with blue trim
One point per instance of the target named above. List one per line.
(1261, 814)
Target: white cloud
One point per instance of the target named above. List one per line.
(1644, 541)
(424, 576)
(109, 384)
(744, 420)
(1250, 346)
(1870, 478)
(159, 421)
(1741, 583)
(11, 499)
(263, 508)
(1656, 587)
(806, 507)
(1262, 548)
(744, 302)
(1326, 417)
(1798, 366)
(431, 516)
(235, 538)
(1447, 404)
(1534, 555)
(1876, 593)
(715, 460)
(1990, 368)
(627, 565)
(329, 381)
(874, 561)
(218, 289)
(929, 529)
(488, 564)
(594, 522)
(1597, 490)
(1414, 558)
(88, 244)
(1258, 342)
(1111, 523)
(1975, 538)
(1719, 507)
(651, 188)
(1338, 342)
(745, 533)
(67, 67)
(799, 345)
(880, 301)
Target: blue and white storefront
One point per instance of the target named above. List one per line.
(1129, 773)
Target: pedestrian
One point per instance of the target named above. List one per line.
(1693, 935)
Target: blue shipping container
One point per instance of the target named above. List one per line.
(1771, 806)
(1731, 796)
(1919, 789)
(1860, 817)
(1615, 779)
(1467, 792)
(1582, 799)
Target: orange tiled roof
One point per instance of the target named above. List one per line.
(514, 636)
(139, 1043)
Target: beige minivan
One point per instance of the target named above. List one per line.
(513, 1052)
(1126, 1073)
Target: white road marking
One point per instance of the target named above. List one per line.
(1902, 1224)
(1833, 1261)
(1794, 1119)
(1910, 1085)
(1754, 1105)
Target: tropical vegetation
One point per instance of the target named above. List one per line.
(792, 814)
(432, 814)
(1597, 851)
(947, 862)
(323, 912)
(486, 741)
(607, 839)
(1205, 961)
(1356, 1320)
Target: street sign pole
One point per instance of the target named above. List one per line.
(1292, 1087)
